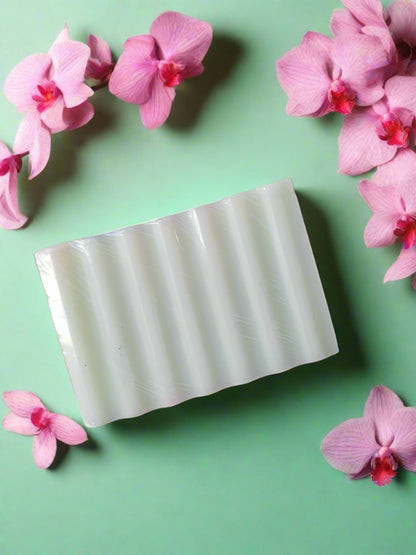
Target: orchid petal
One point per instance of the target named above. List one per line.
(303, 75)
(402, 21)
(44, 448)
(381, 403)
(368, 12)
(53, 116)
(181, 38)
(350, 446)
(22, 403)
(343, 22)
(131, 79)
(157, 109)
(63, 35)
(67, 430)
(358, 129)
(33, 136)
(100, 49)
(379, 232)
(400, 91)
(78, 116)
(19, 425)
(70, 59)
(378, 197)
(23, 79)
(403, 267)
(403, 424)
(10, 215)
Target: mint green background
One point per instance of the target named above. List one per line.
(239, 472)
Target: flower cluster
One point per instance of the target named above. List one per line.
(367, 72)
(52, 91)
(378, 442)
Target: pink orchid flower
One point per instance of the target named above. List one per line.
(10, 165)
(49, 90)
(30, 417)
(401, 20)
(151, 66)
(100, 63)
(324, 75)
(377, 443)
(383, 128)
(391, 195)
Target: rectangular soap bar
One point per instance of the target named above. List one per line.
(183, 306)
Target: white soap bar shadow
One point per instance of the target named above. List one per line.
(154, 314)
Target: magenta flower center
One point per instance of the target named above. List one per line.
(405, 230)
(7, 164)
(341, 98)
(40, 417)
(392, 130)
(383, 467)
(47, 93)
(171, 73)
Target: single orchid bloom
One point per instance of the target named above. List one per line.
(100, 63)
(151, 66)
(391, 195)
(324, 75)
(49, 90)
(384, 128)
(10, 166)
(30, 417)
(377, 443)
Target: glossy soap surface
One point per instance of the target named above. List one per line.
(151, 315)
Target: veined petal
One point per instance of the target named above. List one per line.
(303, 75)
(344, 23)
(368, 12)
(399, 173)
(10, 215)
(378, 197)
(70, 59)
(67, 430)
(403, 424)
(135, 69)
(379, 231)
(52, 116)
(22, 403)
(402, 21)
(400, 91)
(23, 79)
(403, 267)
(44, 448)
(380, 406)
(78, 116)
(19, 425)
(350, 446)
(157, 109)
(34, 137)
(100, 49)
(4, 151)
(358, 129)
(181, 38)
(63, 35)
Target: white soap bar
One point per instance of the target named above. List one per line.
(183, 306)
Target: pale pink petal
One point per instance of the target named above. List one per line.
(53, 116)
(399, 173)
(34, 137)
(402, 21)
(381, 404)
(22, 81)
(378, 197)
(319, 41)
(400, 91)
(19, 425)
(350, 446)
(368, 12)
(135, 69)
(78, 116)
(403, 424)
(181, 38)
(67, 430)
(70, 59)
(358, 129)
(4, 151)
(343, 22)
(63, 35)
(379, 230)
(10, 215)
(44, 448)
(100, 49)
(22, 403)
(303, 75)
(360, 57)
(157, 109)
(362, 474)
(403, 267)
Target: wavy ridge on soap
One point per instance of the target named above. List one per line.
(154, 314)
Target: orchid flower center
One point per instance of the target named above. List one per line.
(383, 467)
(170, 73)
(341, 98)
(40, 417)
(405, 230)
(7, 164)
(392, 130)
(47, 93)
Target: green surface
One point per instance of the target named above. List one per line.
(240, 471)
